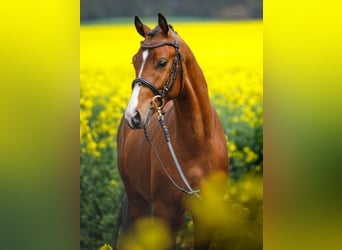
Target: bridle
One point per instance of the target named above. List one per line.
(171, 79)
(158, 102)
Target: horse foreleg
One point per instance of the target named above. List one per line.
(138, 207)
(202, 234)
(172, 216)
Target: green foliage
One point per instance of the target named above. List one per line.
(100, 191)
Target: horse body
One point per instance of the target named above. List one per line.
(195, 130)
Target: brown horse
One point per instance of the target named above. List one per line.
(167, 71)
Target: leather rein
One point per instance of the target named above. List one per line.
(158, 102)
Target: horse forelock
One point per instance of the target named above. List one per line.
(153, 33)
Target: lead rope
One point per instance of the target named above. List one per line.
(174, 157)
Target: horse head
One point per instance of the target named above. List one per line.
(159, 71)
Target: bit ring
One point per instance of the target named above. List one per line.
(158, 102)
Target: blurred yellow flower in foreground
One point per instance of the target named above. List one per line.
(148, 233)
(106, 247)
(236, 216)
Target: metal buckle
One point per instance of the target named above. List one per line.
(157, 102)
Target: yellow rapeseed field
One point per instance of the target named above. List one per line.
(231, 57)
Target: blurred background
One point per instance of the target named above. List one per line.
(214, 9)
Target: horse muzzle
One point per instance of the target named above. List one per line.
(137, 121)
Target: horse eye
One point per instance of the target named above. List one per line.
(162, 63)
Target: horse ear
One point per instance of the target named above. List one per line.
(163, 24)
(140, 27)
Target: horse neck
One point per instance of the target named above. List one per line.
(192, 106)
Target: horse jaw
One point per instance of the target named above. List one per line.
(145, 121)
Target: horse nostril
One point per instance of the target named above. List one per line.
(136, 119)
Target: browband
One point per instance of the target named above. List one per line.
(156, 45)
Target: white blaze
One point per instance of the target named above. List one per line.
(133, 102)
(144, 57)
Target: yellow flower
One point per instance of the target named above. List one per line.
(114, 182)
(88, 104)
(102, 145)
(91, 146)
(106, 247)
(112, 131)
(250, 155)
(102, 115)
(232, 147)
